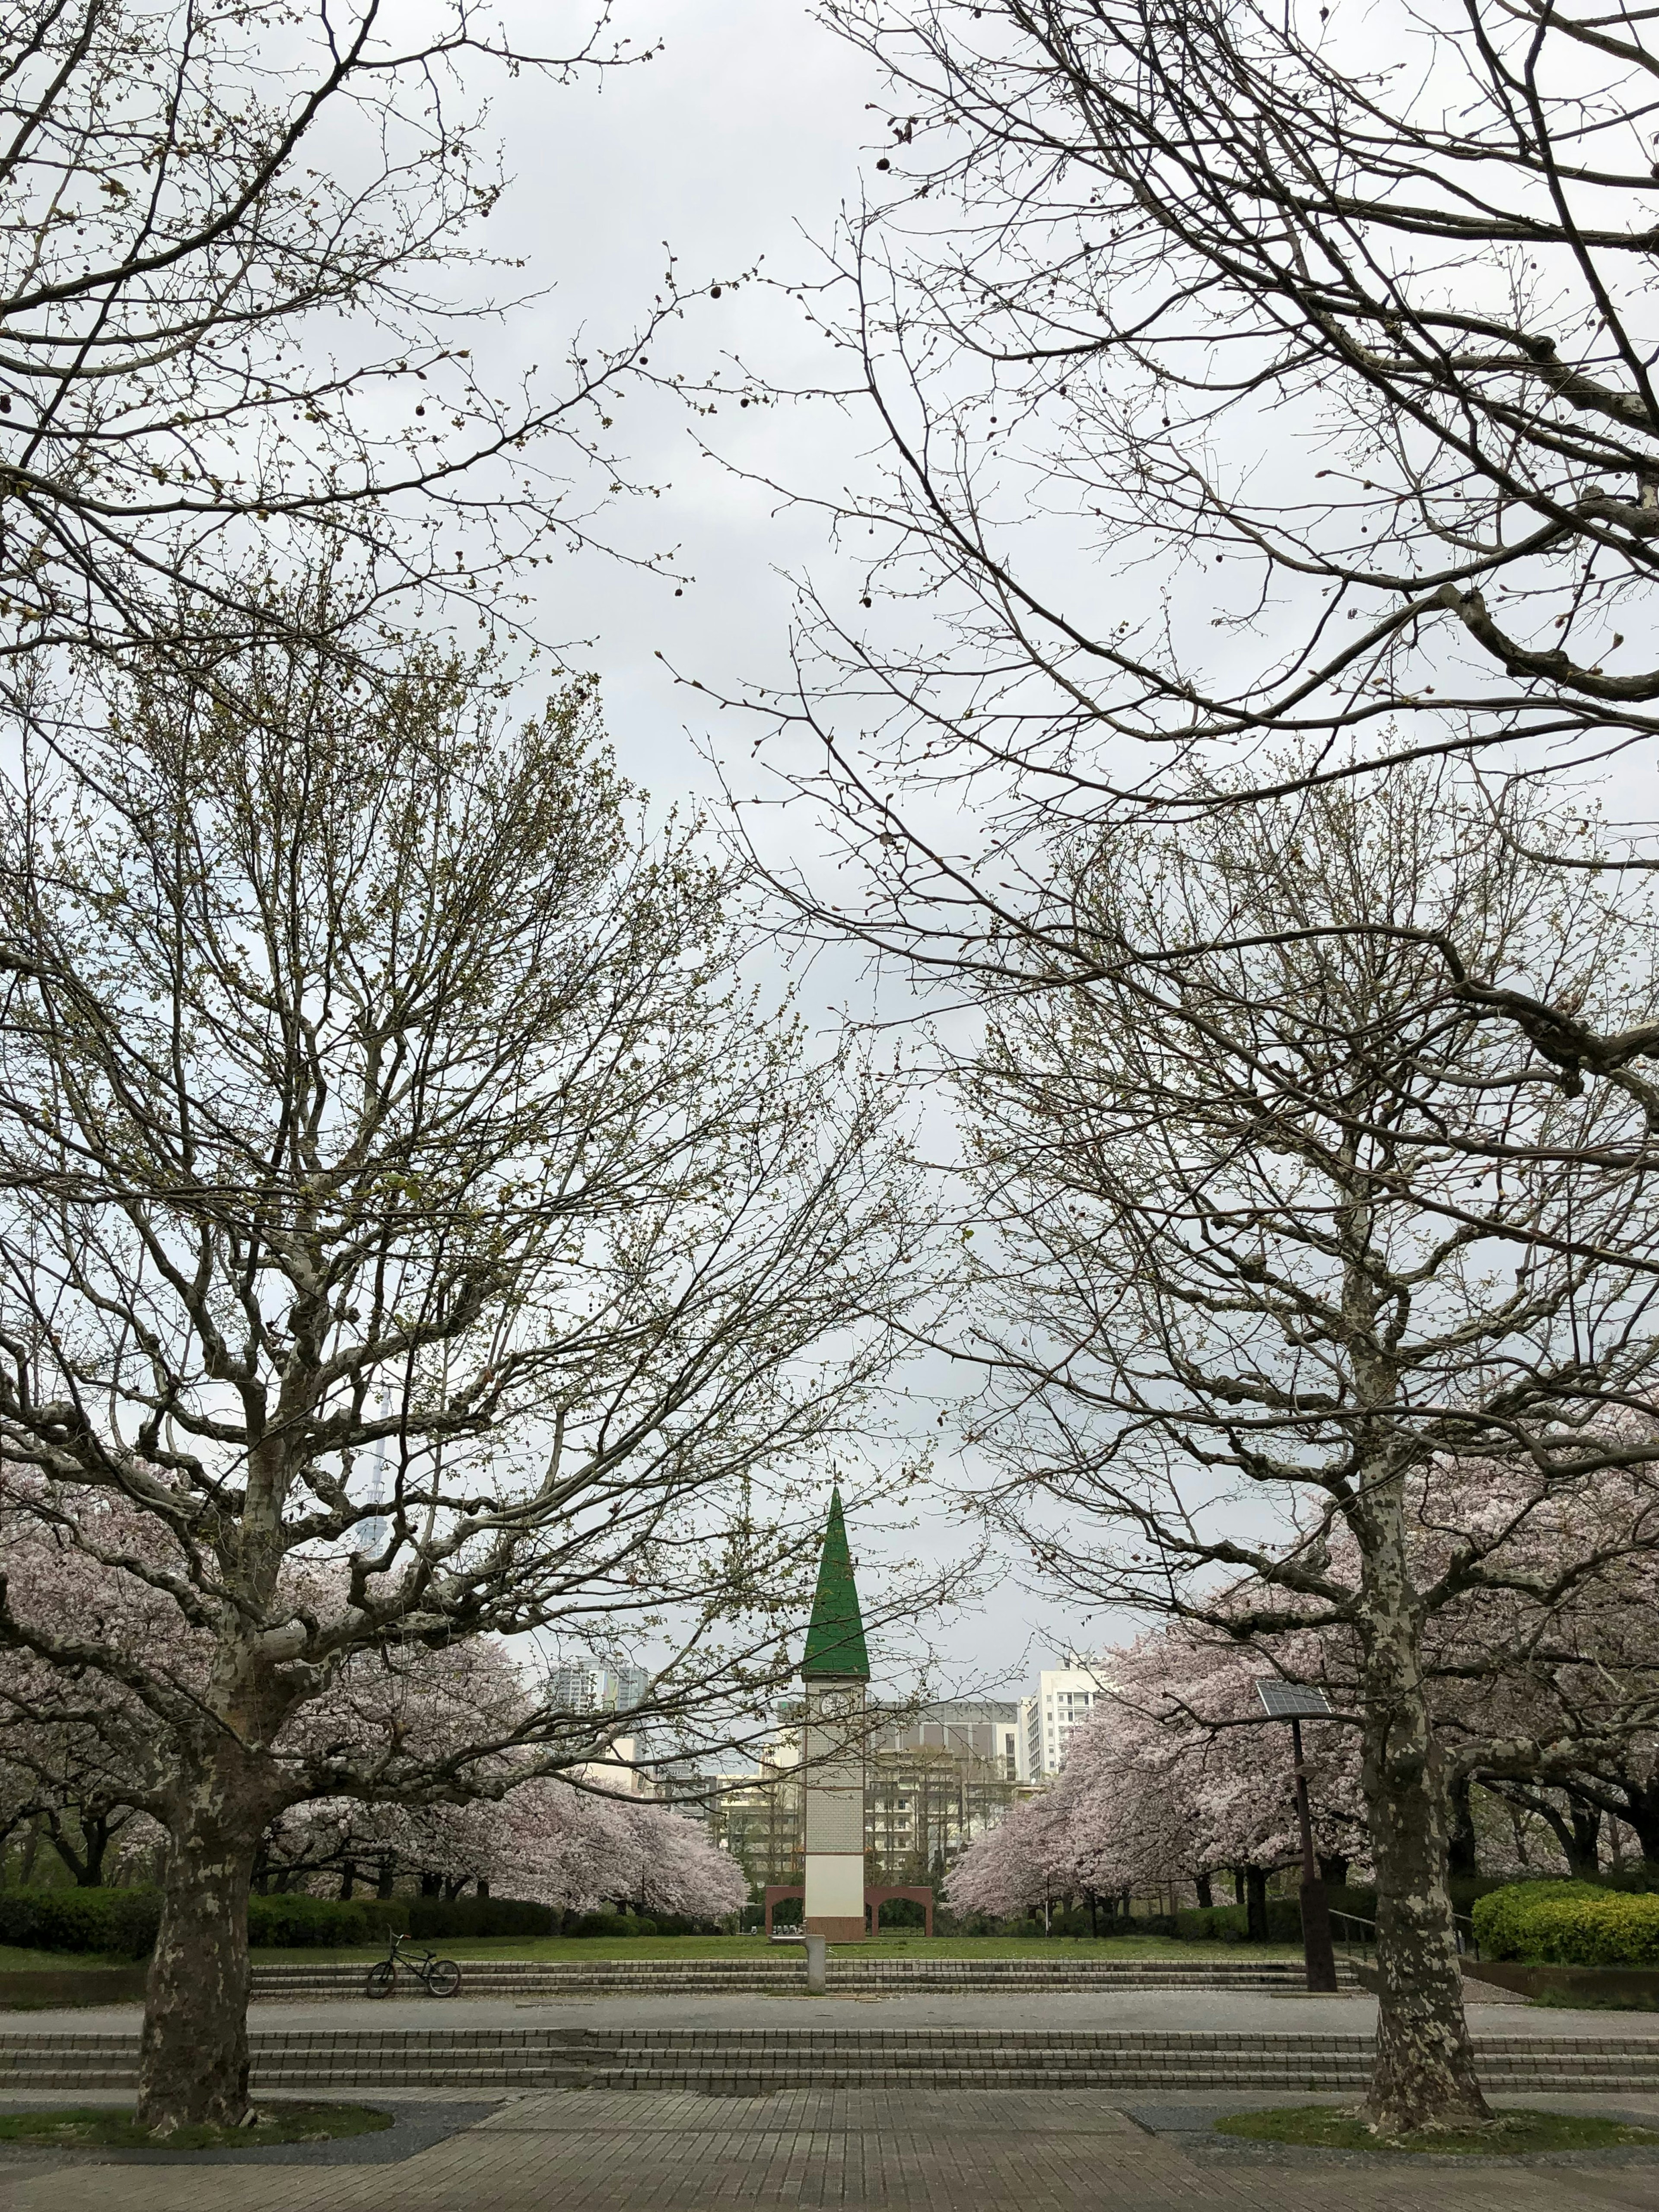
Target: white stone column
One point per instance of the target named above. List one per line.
(833, 1784)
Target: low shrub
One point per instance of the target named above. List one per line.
(298, 1922)
(1568, 1924)
(1644, 1877)
(121, 1923)
(604, 1923)
(1501, 1919)
(1210, 1924)
(1283, 1920)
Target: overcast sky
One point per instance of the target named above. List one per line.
(737, 148)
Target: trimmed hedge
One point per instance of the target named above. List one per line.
(1210, 1924)
(431, 1917)
(297, 1921)
(610, 1923)
(1570, 1923)
(121, 1923)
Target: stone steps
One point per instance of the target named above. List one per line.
(714, 1978)
(754, 2062)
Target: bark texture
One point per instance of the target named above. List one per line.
(1255, 1904)
(1462, 1845)
(1423, 2076)
(193, 2061)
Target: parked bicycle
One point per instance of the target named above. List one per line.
(442, 1976)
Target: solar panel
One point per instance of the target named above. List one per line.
(1291, 1701)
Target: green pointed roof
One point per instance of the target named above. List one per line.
(834, 1641)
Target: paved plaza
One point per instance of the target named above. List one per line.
(1227, 2011)
(934, 2151)
(919, 2147)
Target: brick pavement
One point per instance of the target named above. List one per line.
(857, 2151)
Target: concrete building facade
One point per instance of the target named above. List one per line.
(937, 1778)
(1066, 1696)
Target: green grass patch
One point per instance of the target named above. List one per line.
(576, 1950)
(16, 1959)
(1578, 1998)
(84, 2128)
(1509, 2135)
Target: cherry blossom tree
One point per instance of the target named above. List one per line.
(571, 1843)
(1553, 1708)
(1174, 1775)
(1014, 1866)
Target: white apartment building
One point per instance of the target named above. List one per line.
(1066, 1696)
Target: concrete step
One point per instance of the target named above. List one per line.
(498, 1977)
(755, 2061)
(762, 2080)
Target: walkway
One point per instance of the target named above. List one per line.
(1224, 2011)
(864, 2151)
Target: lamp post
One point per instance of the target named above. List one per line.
(1292, 1702)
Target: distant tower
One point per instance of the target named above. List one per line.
(835, 1669)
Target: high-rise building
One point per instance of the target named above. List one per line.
(582, 1684)
(939, 1778)
(936, 1776)
(626, 1685)
(1066, 1696)
(757, 1816)
(575, 1686)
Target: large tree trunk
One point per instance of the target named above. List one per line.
(1255, 1904)
(192, 2064)
(1203, 1888)
(1461, 1849)
(1642, 1814)
(86, 1864)
(1584, 1851)
(1424, 2073)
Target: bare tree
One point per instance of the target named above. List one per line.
(233, 242)
(373, 1089)
(1250, 382)
(1311, 1278)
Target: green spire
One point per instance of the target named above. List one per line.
(834, 1641)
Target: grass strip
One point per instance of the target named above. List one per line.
(1508, 2135)
(95, 2128)
(583, 1950)
(1580, 1999)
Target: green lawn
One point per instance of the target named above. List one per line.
(573, 1950)
(94, 2128)
(1582, 1998)
(14, 1959)
(1509, 2135)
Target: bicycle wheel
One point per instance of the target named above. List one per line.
(382, 1976)
(443, 1978)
